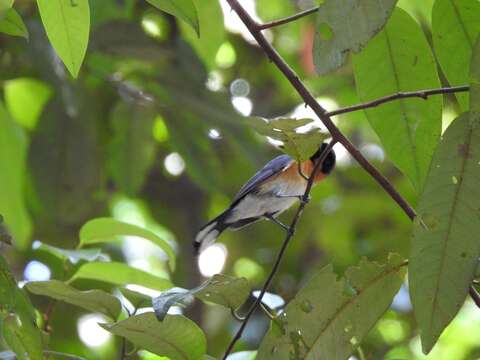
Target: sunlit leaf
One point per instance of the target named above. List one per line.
(132, 148)
(67, 24)
(323, 321)
(17, 318)
(399, 59)
(475, 79)
(92, 300)
(12, 172)
(176, 336)
(221, 289)
(299, 145)
(120, 274)
(445, 244)
(182, 9)
(455, 25)
(25, 99)
(12, 24)
(107, 229)
(346, 25)
(5, 5)
(9, 355)
(74, 256)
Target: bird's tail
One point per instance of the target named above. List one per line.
(210, 232)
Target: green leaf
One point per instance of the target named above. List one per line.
(120, 274)
(9, 355)
(67, 24)
(176, 337)
(455, 25)
(475, 79)
(5, 5)
(323, 321)
(213, 31)
(399, 59)
(12, 172)
(182, 9)
(107, 229)
(221, 289)
(17, 318)
(25, 99)
(445, 244)
(300, 146)
(74, 256)
(132, 147)
(4, 233)
(346, 25)
(137, 299)
(12, 24)
(91, 300)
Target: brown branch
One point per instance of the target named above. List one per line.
(287, 19)
(290, 233)
(474, 295)
(337, 136)
(424, 94)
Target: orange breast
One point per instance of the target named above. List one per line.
(292, 174)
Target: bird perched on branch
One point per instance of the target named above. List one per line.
(268, 193)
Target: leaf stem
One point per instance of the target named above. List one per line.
(424, 94)
(287, 19)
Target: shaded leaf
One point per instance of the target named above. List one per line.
(221, 289)
(5, 5)
(92, 300)
(12, 24)
(475, 79)
(4, 233)
(182, 9)
(324, 322)
(9, 355)
(299, 145)
(455, 25)
(445, 244)
(120, 274)
(107, 229)
(67, 24)
(74, 256)
(176, 337)
(137, 299)
(132, 147)
(399, 59)
(12, 172)
(346, 25)
(17, 318)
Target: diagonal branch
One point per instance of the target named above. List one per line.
(287, 19)
(290, 233)
(424, 94)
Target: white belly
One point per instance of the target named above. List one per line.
(257, 205)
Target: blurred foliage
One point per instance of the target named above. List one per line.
(153, 138)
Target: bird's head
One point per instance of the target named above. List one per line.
(329, 162)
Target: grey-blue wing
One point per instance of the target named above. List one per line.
(273, 167)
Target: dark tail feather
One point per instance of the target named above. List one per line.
(210, 232)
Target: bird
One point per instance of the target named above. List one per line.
(268, 193)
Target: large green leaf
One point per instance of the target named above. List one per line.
(73, 256)
(132, 147)
(120, 274)
(67, 24)
(17, 318)
(176, 336)
(92, 300)
(300, 146)
(445, 244)
(183, 9)
(107, 229)
(5, 5)
(455, 26)
(213, 34)
(324, 322)
(475, 79)
(221, 289)
(12, 24)
(346, 25)
(399, 59)
(12, 172)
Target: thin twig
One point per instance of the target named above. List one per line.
(48, 314)
(288, 237)
(424, 94)
(287, 19)
(474, 295)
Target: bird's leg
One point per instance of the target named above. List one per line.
(278, 222)
(302, 198)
